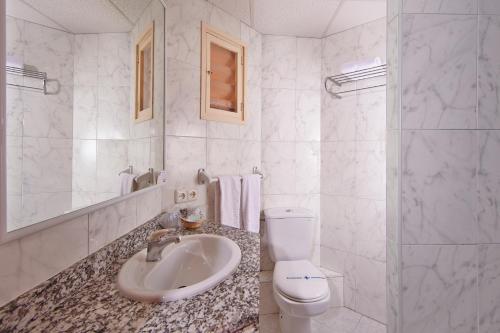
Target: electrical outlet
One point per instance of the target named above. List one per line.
(181, 196)
(193, 195)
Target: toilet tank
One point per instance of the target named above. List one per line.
(289, 233)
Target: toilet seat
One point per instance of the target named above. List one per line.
(300, 281)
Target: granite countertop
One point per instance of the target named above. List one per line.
(84, 297)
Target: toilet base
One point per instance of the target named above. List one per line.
(289, 324)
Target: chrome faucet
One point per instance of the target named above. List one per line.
(156, 244)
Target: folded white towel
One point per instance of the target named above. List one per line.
(126, 183)
(229, 200)
(250, 202)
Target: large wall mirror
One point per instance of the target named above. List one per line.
(72, 136)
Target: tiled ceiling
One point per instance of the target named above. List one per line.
(80, 16)
(305, 18)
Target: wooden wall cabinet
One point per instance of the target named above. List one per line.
(144, 76)
(223, 62)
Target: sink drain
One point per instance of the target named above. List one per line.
(181, 287)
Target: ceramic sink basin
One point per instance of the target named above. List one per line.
(189, 268)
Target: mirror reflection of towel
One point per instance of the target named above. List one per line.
(126, 183)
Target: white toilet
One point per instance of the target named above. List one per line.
(300, 289)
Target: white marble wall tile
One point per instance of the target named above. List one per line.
(14, 111)
(276, 158)
(369, 293)
(139, 154)
(339, 49)
(84, 165)
(252, 129)
(14, 161)
(42, 256)
(253, 41)
(488, 72)
(489, 7)
(439, 288)
(370, 169)
(112, 157)
(440, 7)
(41, 206)
(183, 100)
(308, 63)
(338, 229)
(184, 156)
(223, 21)
(307, 115)
(114, 59)
(46, 165)
(338, 168)
(149, 205)
(222, 157)
(489, 287)
(488, 187)
(183, 24)
(113, 116)
(14, 43)
(157, 153)
(49, 50)
(338, 120)
(14, 212)
(249, 156)
(35, 258)
(48, 116)
(279, 62)
(370, 224)
(85, 112)
(372, 42)
(439, 177)
(110, 223)
(307, 167)
(393, 155)
(439, 71)
(10, 286)
(370, 116)
(393, 286)
(393, 96)
(86, 59)
(278, 114)
(222, 130)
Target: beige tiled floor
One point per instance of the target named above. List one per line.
(336, 320)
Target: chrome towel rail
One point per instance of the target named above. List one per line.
(352, 77)
(30, 74)
(204, 177)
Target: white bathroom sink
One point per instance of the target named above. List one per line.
(189, 268)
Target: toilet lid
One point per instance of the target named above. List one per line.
(300, 280)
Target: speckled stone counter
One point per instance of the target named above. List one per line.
(84, 297)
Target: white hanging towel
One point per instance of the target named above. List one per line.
(229, 200)
(250, 202)
(126, 183)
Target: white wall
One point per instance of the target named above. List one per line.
(291, 105)
(192, 143)
(353, 226)
(39, 127)
(445, 239)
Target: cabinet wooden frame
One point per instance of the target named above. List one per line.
(211, 37)
(145, 41)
